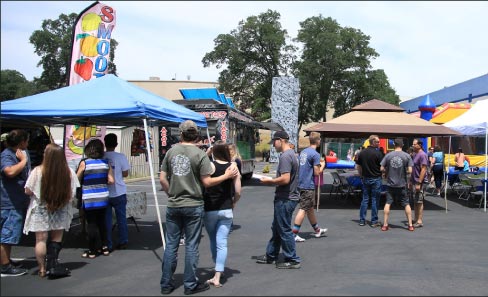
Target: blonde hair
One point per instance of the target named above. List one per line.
(314, 137)
(234, 151)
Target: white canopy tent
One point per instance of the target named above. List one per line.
(474, 122)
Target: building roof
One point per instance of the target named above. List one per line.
(206, 93)
(465, 91)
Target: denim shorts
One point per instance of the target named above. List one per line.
(12, 222)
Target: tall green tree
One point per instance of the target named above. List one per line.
(332, 57)
(15, 85)
(53, 44)
(361, 86)
(253, 54)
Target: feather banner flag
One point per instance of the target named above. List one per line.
(90, 56)
(90, 53)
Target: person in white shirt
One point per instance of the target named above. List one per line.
(117, 193)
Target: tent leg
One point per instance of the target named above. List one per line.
(318, 193)
(447, 174)
(486, 163)
(153, 183)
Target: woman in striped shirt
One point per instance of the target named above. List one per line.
(95, 174)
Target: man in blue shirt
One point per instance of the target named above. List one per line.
(310, 166)
(15, 166)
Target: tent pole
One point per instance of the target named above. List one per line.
(446, 180)
(148, 145)
(486, 162)
(318, 191)
(210, 143)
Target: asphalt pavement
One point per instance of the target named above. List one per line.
(448, 256)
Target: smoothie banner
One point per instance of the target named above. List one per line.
(90, 55)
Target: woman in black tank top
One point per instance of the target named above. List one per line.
(219, 202)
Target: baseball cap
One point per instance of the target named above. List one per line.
(188, 125)
(279, 135)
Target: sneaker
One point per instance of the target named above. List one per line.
(362, 223)
(288, 265)
(377, 224)
(167, 290)
(320, 233)
(299, 239)
(182, 241)
(264, 260)
(10, 270)
(15, 263)
(200, 287)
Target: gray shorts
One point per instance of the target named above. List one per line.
(307, 199)
(397, 194)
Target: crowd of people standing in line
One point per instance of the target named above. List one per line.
(41, 200)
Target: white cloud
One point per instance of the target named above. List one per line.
(423, 46)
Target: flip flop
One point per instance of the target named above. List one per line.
(210, 282)
(418, 225)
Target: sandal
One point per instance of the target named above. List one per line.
(89, 254)
(418, 225)
(211, 282)
(42, 274)
(385, 228)
(411, 228)
(105, 251)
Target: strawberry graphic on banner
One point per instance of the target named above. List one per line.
(90, 56)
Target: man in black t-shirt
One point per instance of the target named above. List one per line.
(368, 166)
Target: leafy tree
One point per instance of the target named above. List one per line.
(334, 67)
(15, 85)
(332, 57)
(358, 87)
(254, 53)
(53, 44)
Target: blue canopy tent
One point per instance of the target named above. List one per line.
(105, 101)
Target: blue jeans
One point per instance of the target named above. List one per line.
(119, 204)
(187, 220)
(217, 224)
(282, 235)
(371, 190)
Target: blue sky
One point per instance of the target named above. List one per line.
(423, 46)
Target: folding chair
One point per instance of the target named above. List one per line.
(348, 189)
(476, 189)
(336, 184)
(463, 187)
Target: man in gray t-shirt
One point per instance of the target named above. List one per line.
(397, 167)
(285, 201)
(185, 170)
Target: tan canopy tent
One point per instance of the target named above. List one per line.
(379, 117)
